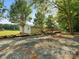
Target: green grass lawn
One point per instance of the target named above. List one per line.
(8, 32)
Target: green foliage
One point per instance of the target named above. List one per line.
(19, 10)
(8, 27)
(75, 23)
(49, 21)
(0, 5)
(68, 14)
(63, 25)
(38, 21)
(0, 9)
(42, 6)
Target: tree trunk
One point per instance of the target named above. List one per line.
(70, 18)
(22, 29)
(22, 24)
(70, 25)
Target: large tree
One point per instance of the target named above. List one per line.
(67, 9)
(19, 12)
(42, 11)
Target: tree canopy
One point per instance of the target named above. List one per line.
(67, 14)
(19, 9)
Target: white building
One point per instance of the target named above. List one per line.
(27, 28)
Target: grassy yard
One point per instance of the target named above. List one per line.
(8, 32)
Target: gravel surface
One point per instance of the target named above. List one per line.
(46, 47)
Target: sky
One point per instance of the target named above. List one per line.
(7, 4)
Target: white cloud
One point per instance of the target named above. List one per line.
(4, 21)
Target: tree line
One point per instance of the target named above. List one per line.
(66, 18)
(9, 27)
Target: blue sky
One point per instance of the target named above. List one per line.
(7, 4)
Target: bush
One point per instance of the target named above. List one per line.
(9, 27)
